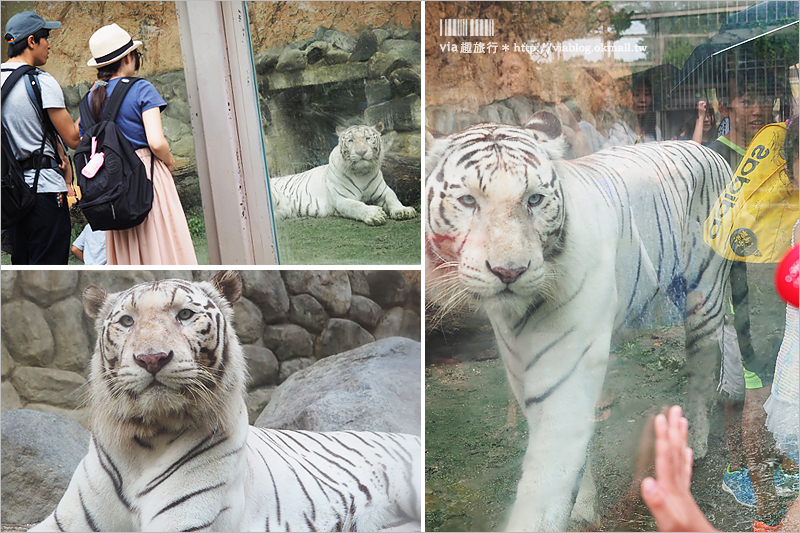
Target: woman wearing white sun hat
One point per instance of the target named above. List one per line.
(163, 238)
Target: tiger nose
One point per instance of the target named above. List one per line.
(153, 362)
(507, 275)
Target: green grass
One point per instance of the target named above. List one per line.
(338, 241)
(198, 239)
(321, 241)
(473, 448)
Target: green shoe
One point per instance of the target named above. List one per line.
(786, 484)
(739, 485)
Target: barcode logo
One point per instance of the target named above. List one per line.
(466, 27)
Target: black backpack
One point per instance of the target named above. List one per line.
(119, 195)
(17, 198)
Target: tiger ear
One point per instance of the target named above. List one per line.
(378, 127)
(229, 284)
(340, 130)
(434, 148)
(545, 127)
(94, 298)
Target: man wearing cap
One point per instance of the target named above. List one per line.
(43, 236)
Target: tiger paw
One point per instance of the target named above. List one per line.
(374, 216)
(403, 213)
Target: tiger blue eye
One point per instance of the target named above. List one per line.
(126, 320)
(468, 200)
(535, 199)
(185, 314)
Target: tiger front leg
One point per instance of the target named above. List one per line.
(556, 461)
(394, 207)
(372, 215)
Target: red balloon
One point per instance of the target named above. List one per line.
(786, 278)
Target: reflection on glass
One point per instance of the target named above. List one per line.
(339, 93)
(529, 394)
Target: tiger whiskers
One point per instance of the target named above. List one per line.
(445, 293)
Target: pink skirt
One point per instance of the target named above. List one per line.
(163, 238)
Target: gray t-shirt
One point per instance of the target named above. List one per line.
(24, 127)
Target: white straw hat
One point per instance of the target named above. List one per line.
(110, 43)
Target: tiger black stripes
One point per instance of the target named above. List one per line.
(593, 244)
(546, 394)
(57, 521)
(351, 185)
(187, 497)
(207, 524)
(113, 472)
(200, 449)
(177, 451)
(87, 515)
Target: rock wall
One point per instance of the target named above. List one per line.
(506, 86)
(299, 119)
(153, 23)
(320, 65)
(286, 320)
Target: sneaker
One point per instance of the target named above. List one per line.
(786, 484)
(739, 485)
(758, 525)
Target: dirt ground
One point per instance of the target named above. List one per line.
(475, 439)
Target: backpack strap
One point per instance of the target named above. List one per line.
(16, 74)
(87, 120)
(113, 103)
(117, 96)
(12, 79)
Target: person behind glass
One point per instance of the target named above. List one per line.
(702, 128)
(163, 238)
(747, 100)
(604, 124)
(42, 237)
(646, 123)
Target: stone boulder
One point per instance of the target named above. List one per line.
(373, 388)
(339, 336)
(389, 288)
(265, 288)
(46, 287)
(262, 364)
(26, 334)
(40, 452)
(330, 287)
(398, 322)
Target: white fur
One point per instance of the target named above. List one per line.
(171, 457)
(559, 254)
(351, 185)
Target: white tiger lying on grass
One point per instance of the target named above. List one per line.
(171, 448)
(351, 180)
(559, 254)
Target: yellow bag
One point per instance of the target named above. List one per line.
(753, 218)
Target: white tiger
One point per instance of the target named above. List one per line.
(559, 254)
(171, 449)
(351, 180)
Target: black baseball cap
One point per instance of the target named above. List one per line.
(21, 25)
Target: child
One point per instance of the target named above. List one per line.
(90, 246)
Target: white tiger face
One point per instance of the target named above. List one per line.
(166, 353)
(496, 210)
(361, 147)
